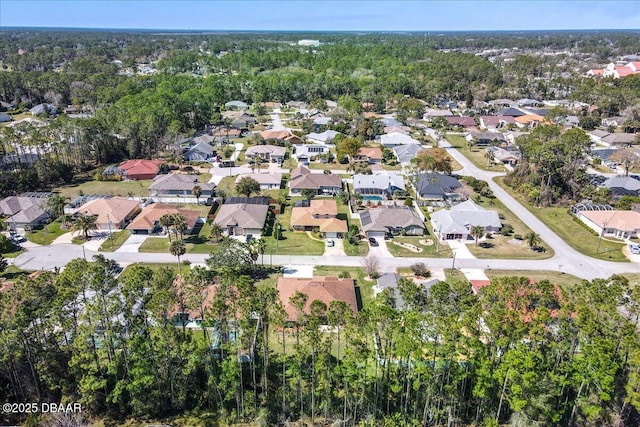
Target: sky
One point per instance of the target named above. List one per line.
(331, 15)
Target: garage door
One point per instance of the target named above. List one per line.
(375, 233)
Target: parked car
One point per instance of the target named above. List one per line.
(634, 249)
(373, 242)
(331, 243)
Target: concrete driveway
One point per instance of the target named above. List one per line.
(336, 250)
(461, 249)
(133, 243)
(380, 251)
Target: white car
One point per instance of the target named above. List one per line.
(634, 249)
(331, 243)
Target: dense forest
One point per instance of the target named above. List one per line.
(520, 352)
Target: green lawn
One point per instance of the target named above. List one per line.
(114, 241)
(48, 234)
(573, 233)
(634, 278)
(113, 188)
(155, 244)
(194, 244)
(555, 277)
(475, 154)
(500, 246)
(428, 251)
(359, 249)
(292, 243)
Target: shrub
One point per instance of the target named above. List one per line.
(344, 275)
(408, 201)
(507, 229)
(517, 237)
(420, 269)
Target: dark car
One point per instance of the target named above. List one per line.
(373, 242)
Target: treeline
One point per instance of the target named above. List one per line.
(530, 354)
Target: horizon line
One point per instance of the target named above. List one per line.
(7, 28)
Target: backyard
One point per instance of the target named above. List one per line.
(555, 277)
(112, 188)
(571, 231)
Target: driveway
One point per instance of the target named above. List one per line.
(305, 271)
(380, 251)
(460, 249)
(336, 250)
(133, 243)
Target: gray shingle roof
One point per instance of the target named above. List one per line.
(382, 219)
(460, 218)
(436, 184)
(179, 182)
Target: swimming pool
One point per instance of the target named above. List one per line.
(373, 198)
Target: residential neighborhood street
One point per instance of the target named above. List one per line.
(566, 259)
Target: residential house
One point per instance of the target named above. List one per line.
(317, 288)
(236, 105)
(148, 220)
(323, 184)
(243, 216)
(485, 138)
(275, 135)
(397, 138)
(204, 139)
(404, 153)
(306, 153)
(139, 169)
(492, 123)
(111, 213)
(529, 121)
(318, 214)
(297, 105)
(528, 102)
(620, 139)
(321, 121)
(225, 135)
(503, 102)
(239, 119)
(619, 186)
(371, 155)
(267, 181)
(400, 129)
(39, 109)
(613, 121)
(616, 70)
(325, 137)
(176, 184)
(383, 221)
(432, 113)
(27, 211)
(389, 281)
(389, 121)
(436, 186)
(456, 223)
(511, 112)
(596, 135)
(199, 152)
(383, 184)
(464, 122)
(618, 224)
(269, 153)
(504, 156)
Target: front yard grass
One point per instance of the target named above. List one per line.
(499, 246)
(574, 234)
(114, 241)
(12, 273)
(475, 154)
(47, 234)
(292, 242)
(359, 249)
(434, 250)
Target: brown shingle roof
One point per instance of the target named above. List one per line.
(152, 213)
(302, 178)
(325, 289)
(114, 210)
(316, 215)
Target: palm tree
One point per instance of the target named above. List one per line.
(532, 239)
(177, 249)
(197, 191)
(56, 203)
(257, 247)
(477, 231)
(216, 231)
(85, 223)
(179, 224)
(166, 221)
(490, 155)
